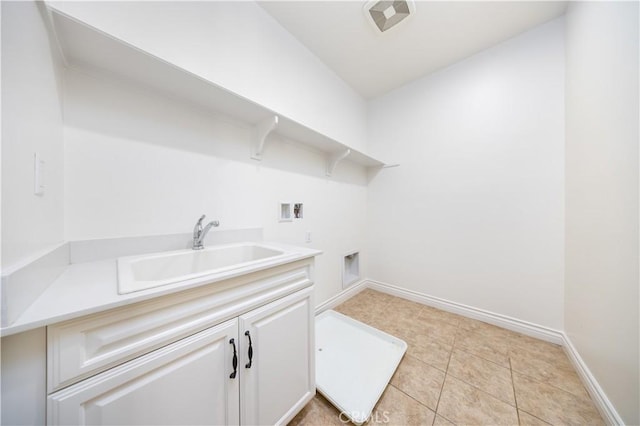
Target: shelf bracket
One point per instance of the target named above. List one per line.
(336, 158)
(262, 130)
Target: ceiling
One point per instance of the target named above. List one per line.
(438, 34)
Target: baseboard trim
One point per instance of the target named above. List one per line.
(602, 403)
(345, 294)
(510, 323)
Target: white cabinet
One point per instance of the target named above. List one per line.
(190, 381)
(281, 376)
(186, 382)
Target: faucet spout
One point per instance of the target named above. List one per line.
(199, 233)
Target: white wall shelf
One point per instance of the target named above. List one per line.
(335, 159)
(92, 50)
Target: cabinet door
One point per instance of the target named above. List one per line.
(279, 379)
(186, 382)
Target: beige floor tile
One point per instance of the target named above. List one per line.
(380, 297)
(364, 307)
(317, 412)
(368, 292)
(381, 317)
(404, 308)
(527, 419)
(554, 405)
(437, 314)
(396, 408)
(350, 310)
(558, 373)
(402, 312)
(342, 308)
(485, 328)
(415, 330)
(491, 348)
(544, 350)
(361, 303)
(430, 351)
(475, 389)
(382, 321)
(401, 326)
(496, 334)
(419, 380)
(464, 404)
(441, 421)
(433, 329)
(389, 322)
(485, 375)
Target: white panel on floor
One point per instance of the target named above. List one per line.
(354, 363)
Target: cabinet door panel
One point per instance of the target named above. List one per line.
(186, 382)
(281, 379)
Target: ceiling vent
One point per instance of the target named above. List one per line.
(386, 14)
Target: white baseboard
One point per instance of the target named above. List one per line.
(514, 324)
(345, 294)
(602, 403)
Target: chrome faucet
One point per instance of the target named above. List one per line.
(199, 232)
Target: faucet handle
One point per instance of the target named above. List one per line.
(198, 228)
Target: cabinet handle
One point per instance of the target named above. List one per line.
(248, 365)
(235, 359)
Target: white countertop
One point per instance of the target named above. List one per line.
(90, 287)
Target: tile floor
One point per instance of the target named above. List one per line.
(463, 372)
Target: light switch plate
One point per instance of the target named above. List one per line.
(38, 174)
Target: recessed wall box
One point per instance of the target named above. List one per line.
(285, 212)
(350, 269)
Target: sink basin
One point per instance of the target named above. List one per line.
(136, 273)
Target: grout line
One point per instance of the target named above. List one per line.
(513, 386)
(533, 379)
(484, 391)
(459, 328)
(465, 350)
(386, 304)
(588, 397)
(446, 373)
(542, 420)
(419, 402)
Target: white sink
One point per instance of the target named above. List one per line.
(147, 271)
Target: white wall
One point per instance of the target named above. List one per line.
(242, 48)
(0, 204)
(24, 378)
(602, 279)
(139, 164)
(474, 214)
(31, 122)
